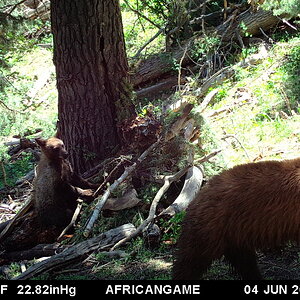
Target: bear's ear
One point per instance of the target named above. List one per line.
(41, 142)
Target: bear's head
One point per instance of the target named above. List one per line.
(53, 148)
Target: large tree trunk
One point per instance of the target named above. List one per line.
(92, 77)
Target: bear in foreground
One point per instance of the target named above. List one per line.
(250, 207)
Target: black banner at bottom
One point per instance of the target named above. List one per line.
(79, 289)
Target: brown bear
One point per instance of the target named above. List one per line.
(52, 203)
(56, 187)
(249, 207)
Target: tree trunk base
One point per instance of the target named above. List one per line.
(26, 234)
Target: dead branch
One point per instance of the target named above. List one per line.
(179, 123)
(136, 11)
(159, 32)
(95, 170)
(207, 99)
(42, 11)
(215, 80)
(158, 66)
(207, 157)
(8, 9)
(32, 3)
(103, 199)
(73, 220)
(168, 180)
(96, 193)
(26, 178)
(240, 143)
(27, 206)
(180, 65)
(252, 21)
(165, 85)
(229, 108)
(78, 251)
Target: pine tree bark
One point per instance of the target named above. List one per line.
(92, 78)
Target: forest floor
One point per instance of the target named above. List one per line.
(282, 264)
(254, 116)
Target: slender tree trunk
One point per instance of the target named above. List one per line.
(92, 78)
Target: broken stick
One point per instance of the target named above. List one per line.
(102, 200)
(74, 218)
(168, 180)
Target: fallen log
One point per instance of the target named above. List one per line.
(162, 64)
(11, 223)
(158, 88)
(41, 250)
(79, 251)
(215, 80)
(157, 65)
(248, 22)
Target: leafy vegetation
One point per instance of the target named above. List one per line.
(288, 8)
(260, 130)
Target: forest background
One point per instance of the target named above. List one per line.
(245, 96)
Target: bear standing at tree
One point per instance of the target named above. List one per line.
(56, 186)
(52, 202)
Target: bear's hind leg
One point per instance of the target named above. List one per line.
(193, 270)
(191, 263)
(244, 262)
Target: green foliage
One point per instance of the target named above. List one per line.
(204, 45)
(11, 171)
(13, 271)
(243, 29)
(291, 74)
(23, 65)
(172, 228)
(140, 27)
(148, 192)
(289, 8)
(258, 129)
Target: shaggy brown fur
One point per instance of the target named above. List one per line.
(251, 206)
(54, 194)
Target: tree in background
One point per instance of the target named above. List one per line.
(92, 78)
